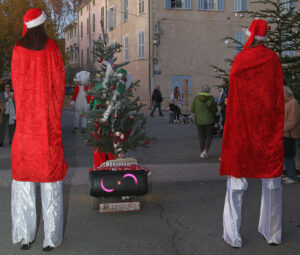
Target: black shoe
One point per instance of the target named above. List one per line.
(25, 246)
(151, 115)
(161, 115)
(273, 244)
(48, 248)
(1, 144)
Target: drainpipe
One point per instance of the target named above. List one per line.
(149, 50)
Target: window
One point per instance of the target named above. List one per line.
(126, 48)
(239, 44)
(124, 11)
(68, 34)
(75, 30)
(287, 5)
(111, 19)
(75, 53)
(94, 23)
(178, 4)
(211, 5)
(88, 7)
(102, 14)
(71, 32)
(240, 5)
(93, 2)
(82, 57)
(87, 55)
(141, 44)
(141, 6)
(87, 26)
(175, 4)
(81, 12)
(81, 29)
(71, 53)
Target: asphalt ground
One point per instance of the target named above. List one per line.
(181, 215)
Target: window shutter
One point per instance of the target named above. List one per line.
(168, 4)
(108, 20)
(239, 36)
(114, 18)
(220, 5)
(244, 5)
(123, 11)
(201, 5)
(188, 4)
(235, 6)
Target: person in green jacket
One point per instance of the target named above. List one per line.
(205, 108)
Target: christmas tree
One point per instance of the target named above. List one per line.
(115, 123)
(283, 38)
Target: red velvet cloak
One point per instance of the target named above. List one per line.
(253, 135)
(38, 79)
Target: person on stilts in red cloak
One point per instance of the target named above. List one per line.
(38, 78)
(253, 136)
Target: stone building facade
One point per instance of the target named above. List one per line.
(167, 42)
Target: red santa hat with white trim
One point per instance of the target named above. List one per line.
(257, 30)
(33, 18)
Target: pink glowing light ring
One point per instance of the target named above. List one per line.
(105, 189)
(131, 176)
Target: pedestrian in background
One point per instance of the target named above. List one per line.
(291, 131)
(2, 108)
(205, 108)
(8, 116)
(176, 102)
(252, 144)
(156, 100)
(38, 78)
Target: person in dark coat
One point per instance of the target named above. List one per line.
(156, 99)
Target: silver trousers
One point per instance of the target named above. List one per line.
(270, 220)
(23, 212)
(77, 119)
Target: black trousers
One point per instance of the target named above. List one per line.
(205, 133)
(11, 128)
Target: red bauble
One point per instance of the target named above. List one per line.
(131, 117)
(92, 97)
(113, 65)
(146, 141)
(98, 114)
(100, 60)
(96, 125)
(112, 87)
(116, 116)
(130, 90)
(98, 132)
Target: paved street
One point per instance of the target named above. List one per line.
(181, 215)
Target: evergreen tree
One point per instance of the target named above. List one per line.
(115, 123)
(283, 38)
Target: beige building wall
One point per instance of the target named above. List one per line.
(138, 68)
(192, 40)
(71, 43)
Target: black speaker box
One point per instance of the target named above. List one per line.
(118, 183)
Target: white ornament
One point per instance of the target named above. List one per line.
(226, 41)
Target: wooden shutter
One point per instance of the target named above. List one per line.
(188, 4)
(220, 5)
(108, 20)
(201, 5)
(167, 4)
(123, 11)
(114, 18)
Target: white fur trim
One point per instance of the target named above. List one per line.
(36, 22)
(257, 37)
